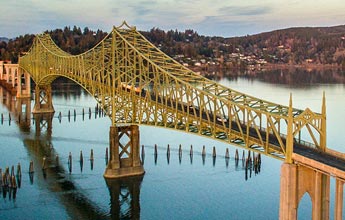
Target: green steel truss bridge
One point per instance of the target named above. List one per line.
(137, 84)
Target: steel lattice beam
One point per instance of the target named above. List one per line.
(136, 83)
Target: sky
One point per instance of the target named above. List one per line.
(227, 18)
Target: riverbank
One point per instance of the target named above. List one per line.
(306, 66)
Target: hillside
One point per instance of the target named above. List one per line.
(293, 46)
(320, 45)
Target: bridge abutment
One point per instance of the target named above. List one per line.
(43, 100)
(124, 152)
(297, 180)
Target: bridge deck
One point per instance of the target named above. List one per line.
(319, 156)
(303, 150)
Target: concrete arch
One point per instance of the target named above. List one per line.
(304, 213)
(296, 180)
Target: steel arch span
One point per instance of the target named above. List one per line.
(136, 83)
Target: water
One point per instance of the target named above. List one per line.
(178, 188)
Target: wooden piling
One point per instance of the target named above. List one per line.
(191, 150)
(203, 153)
(156, 150)
(243, 156)
(227, 155)
(13, 182)
(236, 155)
(12, 170)
(91, 155)
(70, 162)
(81, 157)
(60, 116)
(106, 153)
(19, 170)
(214, 152)
(168, 150)
(180, 150)
(249, 157)
(31, 167)
(4, 180)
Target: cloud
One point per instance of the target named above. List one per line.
(245, 10)
(220, 26)
(211, 17)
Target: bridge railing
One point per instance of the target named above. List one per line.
(284, 136)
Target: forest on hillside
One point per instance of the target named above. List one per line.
(323, 45)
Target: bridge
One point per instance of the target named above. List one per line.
(137, 84)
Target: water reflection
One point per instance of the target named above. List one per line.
(295, 77)
(45, 169)
(125, 197)
(50, 174)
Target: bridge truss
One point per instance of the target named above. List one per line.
(136, 83)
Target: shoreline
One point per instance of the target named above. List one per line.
(301, 66)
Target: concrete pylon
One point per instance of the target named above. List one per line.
(296, 180)
(43, 100)
(124, 157)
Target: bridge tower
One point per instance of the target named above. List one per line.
(298, 179)
(43, 99)
(124, 152)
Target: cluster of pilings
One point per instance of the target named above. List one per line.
(252, 164)
(81, 161)
(10, 182)
(98, 112)
(247, 162)
(5, 117)
(19, 118)
(71, 115)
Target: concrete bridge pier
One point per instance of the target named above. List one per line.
(124, 152)
(296, 180)
(43, 100)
